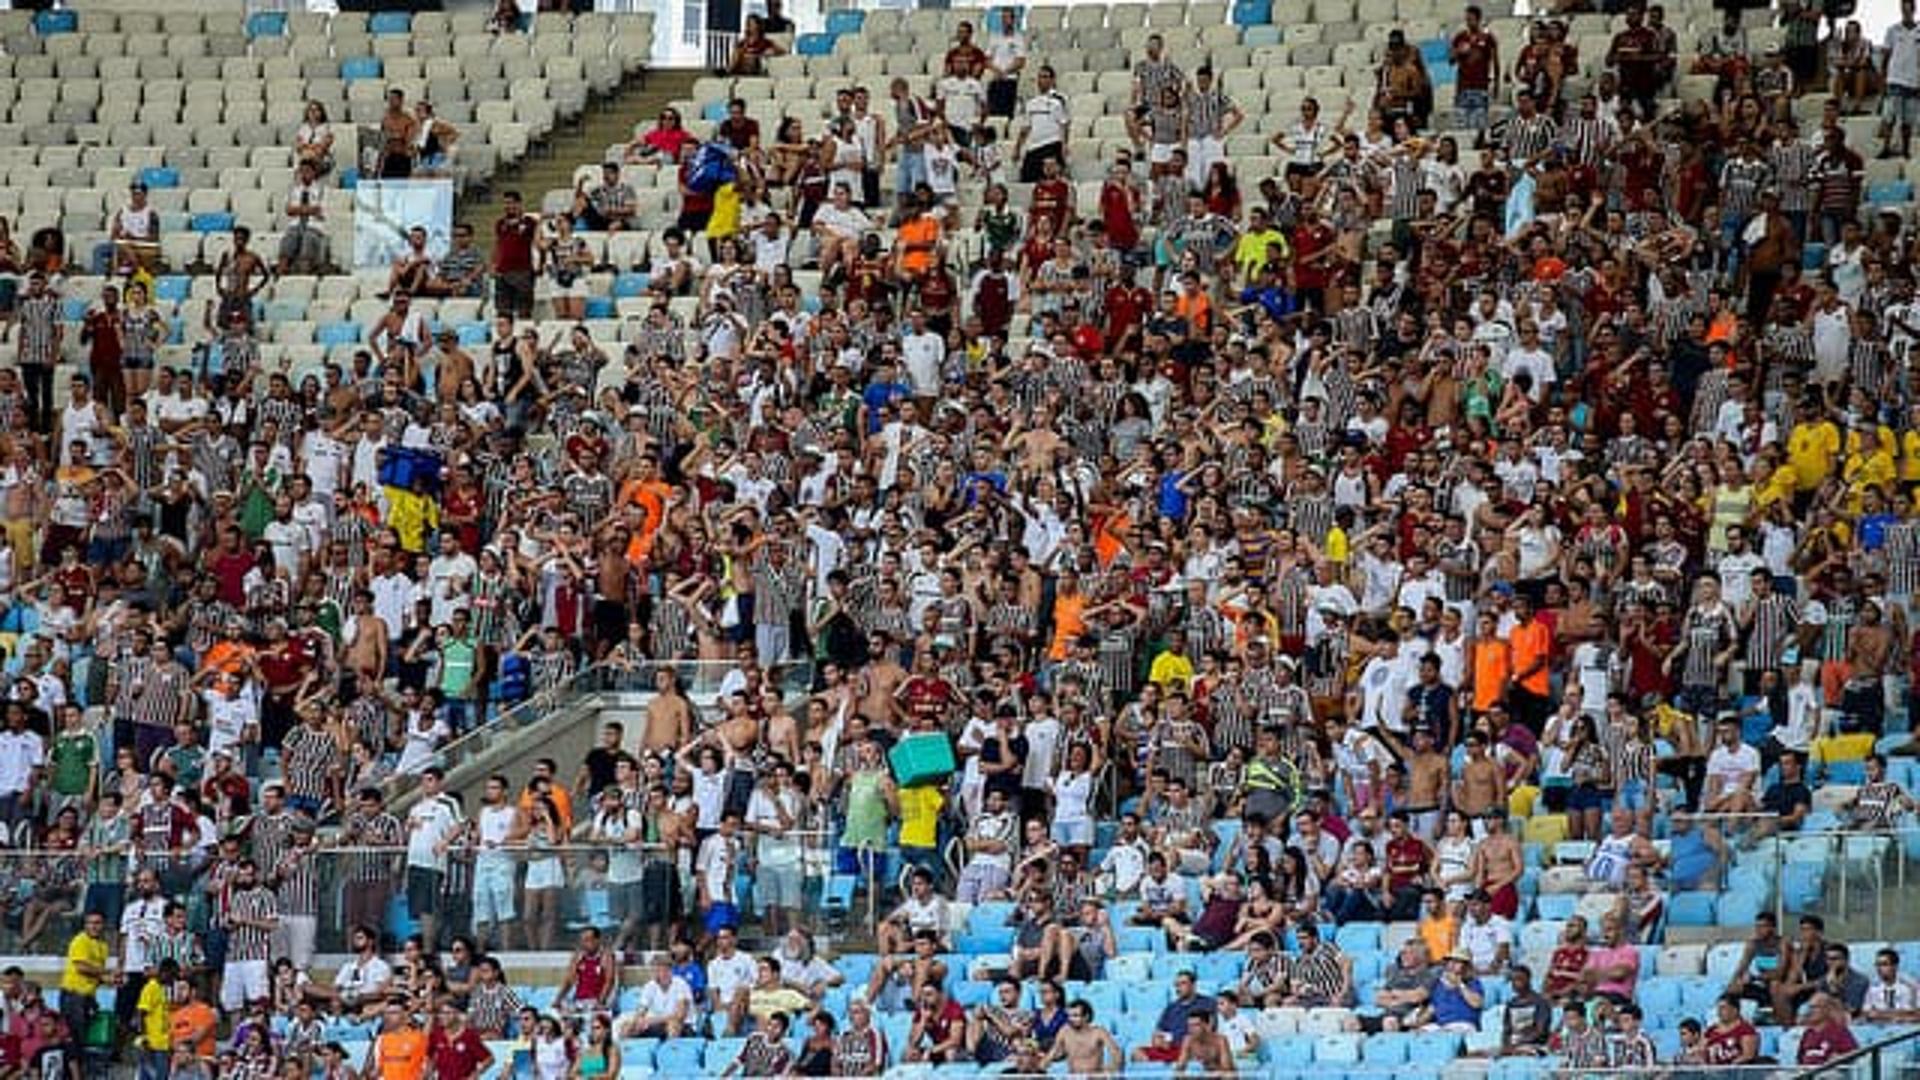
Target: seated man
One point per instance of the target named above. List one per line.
(608, 207)
(665, 1005)
(922, 910)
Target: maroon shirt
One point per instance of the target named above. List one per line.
(457, 1057)
(513, 245)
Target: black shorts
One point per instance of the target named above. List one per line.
(513, 293)
(1033, 163)
(659, 893)
(609, 620)
(423, 891)
(693, 221)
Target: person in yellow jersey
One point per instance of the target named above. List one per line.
(1172, 669)
(1811, 447)
(156, 1021)
(920, 807)
(399, 1052)
(1868, 462)
(87, 967)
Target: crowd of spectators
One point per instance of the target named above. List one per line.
(1275, 553)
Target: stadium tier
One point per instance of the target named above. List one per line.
(1306, 538)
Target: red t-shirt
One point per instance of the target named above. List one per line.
(1825, 1042)
(1116, 215)
(1473, 59)
(457, 1057)
(513, 244)
(1723, 1045)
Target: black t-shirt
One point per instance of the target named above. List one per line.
(51, 1063)
(600, 762)
(1783, 797)
(1007, 783)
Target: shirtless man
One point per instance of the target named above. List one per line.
(1204, 1047)
(1086, 1047)
(879, 683)
(240, 275)
(1496, 864)
(453, 365)
(1482, 787)
(669, 717)
(611, 573)
(1427, 774)
(367, 638)
(739, 730)
(783, 734)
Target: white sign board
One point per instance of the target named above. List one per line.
(384, 210)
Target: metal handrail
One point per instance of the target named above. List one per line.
(1869, 1053)
(458, 747)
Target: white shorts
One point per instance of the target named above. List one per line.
(493, 890)
(295, 938)
(1161, 153)
(243, 981)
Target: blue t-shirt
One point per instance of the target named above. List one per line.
(1450, 1003)
(1173, 1018)
(877, 396)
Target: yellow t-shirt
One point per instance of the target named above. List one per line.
(1336, 545)
(1250, 252)
(1171, 670)
(1810, 450)
(920, 815)
(83, 949)
(156, 1016)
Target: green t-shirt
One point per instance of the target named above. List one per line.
(74, 755)
(456, 668)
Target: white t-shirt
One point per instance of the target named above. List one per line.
(730, 975)
(1902, 49)
(1483, 940)
(659, 1003)
(1047, 120)
(21, 752)
(964, 99)
(1732, 770)
(923, 355)
(429, 823)
(851, 221)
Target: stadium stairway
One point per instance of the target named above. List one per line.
(552, 166)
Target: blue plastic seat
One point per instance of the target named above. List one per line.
(845, 22)
(1290, 1051)
(601, 307)
(1813, 256)
(721, 1052)
(1147, 998)
(1386, 1049)
(984, 941)
(1433, 1046)
(1341, 1049)
(1105, 996)
(214, 221)
(1358, 937)
(680, 1057)
(74, 308)
(46, 23)
(1692, 909)
(627, 286)
(1219, 969)
(1890, 192)
(339, 333)
(267, 24)
(1659, 995)
(390, 22)
(474, 333)
(638, 1052)
(1141, 939)
(1801, 885)
(160, 176)
(815, 44)
(1252, 12)
(355, 68)
(1436, 51)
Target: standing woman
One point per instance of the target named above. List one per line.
(142, 330)
(546, 874)
(1072, 793)
(313, 141)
